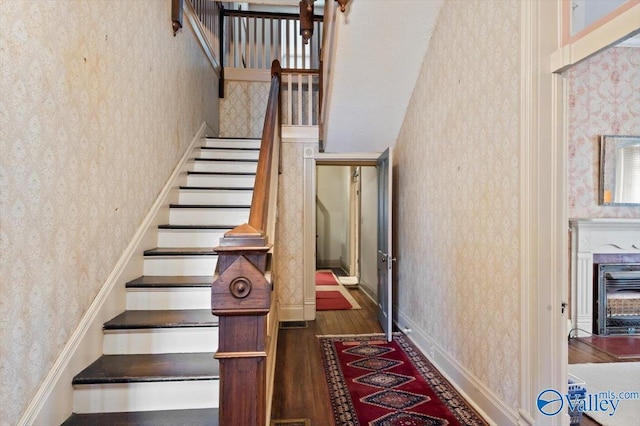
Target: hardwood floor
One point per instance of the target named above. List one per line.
(580, 353)
(300, 390)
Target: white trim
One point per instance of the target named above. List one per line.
(242, 74)
(291, 312)
(347, 157)
(198, 31)
(483, 399)
(300, 134)
(309, 232)
(610, 33)
(543, 249)
(52, 403)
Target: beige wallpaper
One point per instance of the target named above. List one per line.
(243, 107)
(98, 101)
(290, 229)
(457, 183)
(604, 98)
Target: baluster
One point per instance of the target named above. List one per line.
(310, 99)
(290, 99)
(300, 102)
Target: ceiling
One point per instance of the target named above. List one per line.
(380, 48)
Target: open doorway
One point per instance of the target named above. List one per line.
(346, 218)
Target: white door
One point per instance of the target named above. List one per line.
(385, 258)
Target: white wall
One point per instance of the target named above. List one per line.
(332, 215)
(98, 102)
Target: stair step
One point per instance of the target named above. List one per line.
(215, 196)
(180, 263)
(149, 368)
(232, 143)
(180, 251)
(195, 417)
(191, 236)
(170, 281)
(224, 166)
(160, 298)
(161, 331)
(162, 319)
(144, 382)
(222, 153)
(193, 214)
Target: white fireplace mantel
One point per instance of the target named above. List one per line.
(589, 237)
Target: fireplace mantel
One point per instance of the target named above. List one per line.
(589, 237)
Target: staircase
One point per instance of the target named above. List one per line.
(157, 366)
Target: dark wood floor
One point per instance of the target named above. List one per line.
(300, 390)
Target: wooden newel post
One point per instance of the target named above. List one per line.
(241, 297)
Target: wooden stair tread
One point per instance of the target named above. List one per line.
(146, 281)
(230, 148)
(162, 319)
(240, 138)
(149, 368)
(221, 173)
(216, 188)
(199, 227)
(180, 251)
(192, 417)
(234, 160)
(209, 206)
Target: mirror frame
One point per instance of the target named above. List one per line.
(605, 194)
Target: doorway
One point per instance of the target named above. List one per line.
(346, 214)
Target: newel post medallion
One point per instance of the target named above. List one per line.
(241, 298)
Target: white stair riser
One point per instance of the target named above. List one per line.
(163, 298)
(226, 181)
(208, 216)
(190, 237)
(217, 197)
(224, 166)
(179, 265)
(229, 154)
(232, 143)
(109, 398)
(160, 341)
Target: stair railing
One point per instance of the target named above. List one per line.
(241, 294)
(301, 95)
(253, 40)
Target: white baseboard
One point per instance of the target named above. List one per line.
(53, 401)
(291, 312)
(485, 401)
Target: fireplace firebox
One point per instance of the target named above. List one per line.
(617, 304)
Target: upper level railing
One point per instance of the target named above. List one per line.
(252, 40)
(242, 290)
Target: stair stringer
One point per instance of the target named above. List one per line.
(53, 401)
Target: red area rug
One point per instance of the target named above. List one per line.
(375, 382)
(331, 301)
(325, 278)
(621, 347)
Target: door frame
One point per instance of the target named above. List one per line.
(311, 159)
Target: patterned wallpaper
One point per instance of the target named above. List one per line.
(457, 186)
(290, 213)
(98, 102)
(242, 108)
(604, 98)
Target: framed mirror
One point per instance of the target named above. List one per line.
(619, 170)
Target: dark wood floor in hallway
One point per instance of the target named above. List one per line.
(300, 390)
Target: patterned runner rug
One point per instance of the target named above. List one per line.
(375, 382)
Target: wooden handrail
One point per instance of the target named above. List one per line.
(241, 291)
(260, 200)
(267, 15)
